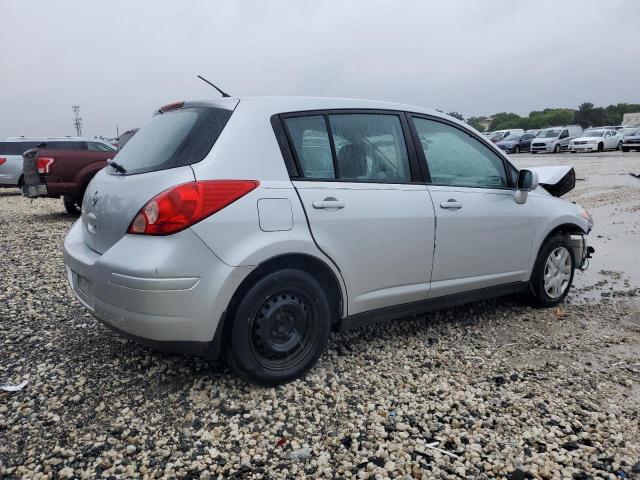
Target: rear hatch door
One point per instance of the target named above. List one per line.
(157, 158)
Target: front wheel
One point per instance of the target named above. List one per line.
(556, 149)
(601, 147)
(553, 272)
(625, 149)
(71, 205)
(280, 328)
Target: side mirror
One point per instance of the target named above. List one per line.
(527, 181)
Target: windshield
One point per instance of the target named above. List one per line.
(512, 138)
(631, 131)
(173, 139)
(549, 133)
(593, 133)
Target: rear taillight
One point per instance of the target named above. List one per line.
(184, 205)
(2, 160)
(44, 165)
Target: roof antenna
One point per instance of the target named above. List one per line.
(221, 92)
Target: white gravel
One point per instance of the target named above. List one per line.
(498, 388)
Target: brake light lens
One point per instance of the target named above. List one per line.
(171, 106)
(184, 205)
(2, 160)
(44, 165)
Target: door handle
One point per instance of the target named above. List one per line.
(451, 204)
(328, 203)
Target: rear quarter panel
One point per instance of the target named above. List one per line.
(247, 149)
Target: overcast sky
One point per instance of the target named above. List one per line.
(121, 60)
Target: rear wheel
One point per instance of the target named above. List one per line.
(72, 205)
(619, 146)
(553, 272)
(280, 328)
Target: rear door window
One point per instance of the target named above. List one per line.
(173, 139)
(361, 147)
(370, 147)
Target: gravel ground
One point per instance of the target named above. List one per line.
(508, 391)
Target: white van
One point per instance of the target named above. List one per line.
(505, 133)
(555, 139)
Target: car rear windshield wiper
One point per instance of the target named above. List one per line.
(117, 167)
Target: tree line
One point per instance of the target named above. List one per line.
(587, 115)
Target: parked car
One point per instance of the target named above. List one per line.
(256, 226)
(500, 135)
(596, 139)
(555, 139)
(516, 143)
(11, 150)
(64, 169)
(631, 140)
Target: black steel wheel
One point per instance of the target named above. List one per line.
(280, 328)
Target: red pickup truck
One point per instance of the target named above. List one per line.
(64, 169)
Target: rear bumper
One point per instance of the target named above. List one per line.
(34, 191)
(166, 292)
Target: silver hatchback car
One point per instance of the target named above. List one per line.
(253, 227)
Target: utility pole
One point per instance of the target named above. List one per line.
(77, 121)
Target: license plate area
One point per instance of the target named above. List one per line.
(84, 285)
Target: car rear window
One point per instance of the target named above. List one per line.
(173, 139)
(16, 148)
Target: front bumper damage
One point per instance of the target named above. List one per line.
(581, 251)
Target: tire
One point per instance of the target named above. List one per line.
(625, 149)
(280, 328)
(71, 205)
(517, 149)
(601, 147)
(552, 293)
(619, 146)
(556, 149)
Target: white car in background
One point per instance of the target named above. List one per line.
(631, 139)
(555, 139)
(596, 140)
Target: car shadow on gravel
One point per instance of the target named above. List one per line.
(104, 352)
(52, 217)
(10, 193)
